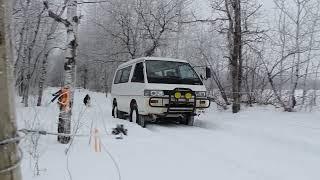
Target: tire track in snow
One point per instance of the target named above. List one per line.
(189, 137)
(242, 150)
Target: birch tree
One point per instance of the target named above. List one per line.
(29, 56)
(297, 34)
(8, 151)
(71, 24)
(31, 25)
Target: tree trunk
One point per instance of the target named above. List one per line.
(24, 74)
(85, 79)
(275, 91)
(42, 79)
(8, 152)
(236, 58)
(311, 43)
(292, 99)
(283, 39)
(220, 87)
(178, 35)
(19, 83)
(69, 70)
(30, 56)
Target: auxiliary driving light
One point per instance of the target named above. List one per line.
(177, 95)
(188, 95)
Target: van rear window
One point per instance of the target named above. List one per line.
(122, 75)
(118, 76)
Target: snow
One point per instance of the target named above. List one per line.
(258, 143)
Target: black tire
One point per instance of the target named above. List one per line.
(116, 113)
(143, 121)
(140, 119)
(183, 121)
(113, 111)
(131, 113)
(188, 120)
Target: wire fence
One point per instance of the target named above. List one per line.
(27, 132)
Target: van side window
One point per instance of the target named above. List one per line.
(138, 75)
(118, 76)
(125, 74)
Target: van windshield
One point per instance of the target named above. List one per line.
(170, 72)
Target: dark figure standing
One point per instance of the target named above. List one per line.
(86, 100)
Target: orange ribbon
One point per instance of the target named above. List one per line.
(64, 99)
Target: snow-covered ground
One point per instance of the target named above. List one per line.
(257, 143)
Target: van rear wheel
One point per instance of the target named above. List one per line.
(136, 117)
(116, 113)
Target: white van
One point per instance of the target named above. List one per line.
(153, 88)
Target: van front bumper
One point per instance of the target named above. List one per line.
(165, 105)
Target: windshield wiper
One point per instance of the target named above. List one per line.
(194, 81)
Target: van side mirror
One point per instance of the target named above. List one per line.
(208, 73)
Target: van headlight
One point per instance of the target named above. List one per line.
(201, 93)
(153, 93)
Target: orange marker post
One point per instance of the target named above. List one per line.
(97, 141)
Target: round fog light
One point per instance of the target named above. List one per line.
(188, 95)
(177, 95)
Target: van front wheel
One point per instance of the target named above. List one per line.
(114, 111)
(136, 117)
(188, 120)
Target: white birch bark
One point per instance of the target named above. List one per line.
(69, 66)
(292, 99)
(311, 44)
(8, 152)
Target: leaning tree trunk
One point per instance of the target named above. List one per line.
(85, 79)
(292, 99)
(28, 55)
(311, 43)
(9, 158)
(69, 70)
(42, 78)
(19, 67)
(24, 75)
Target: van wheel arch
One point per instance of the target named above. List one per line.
(132, 103)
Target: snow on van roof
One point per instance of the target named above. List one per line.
(151, 59)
